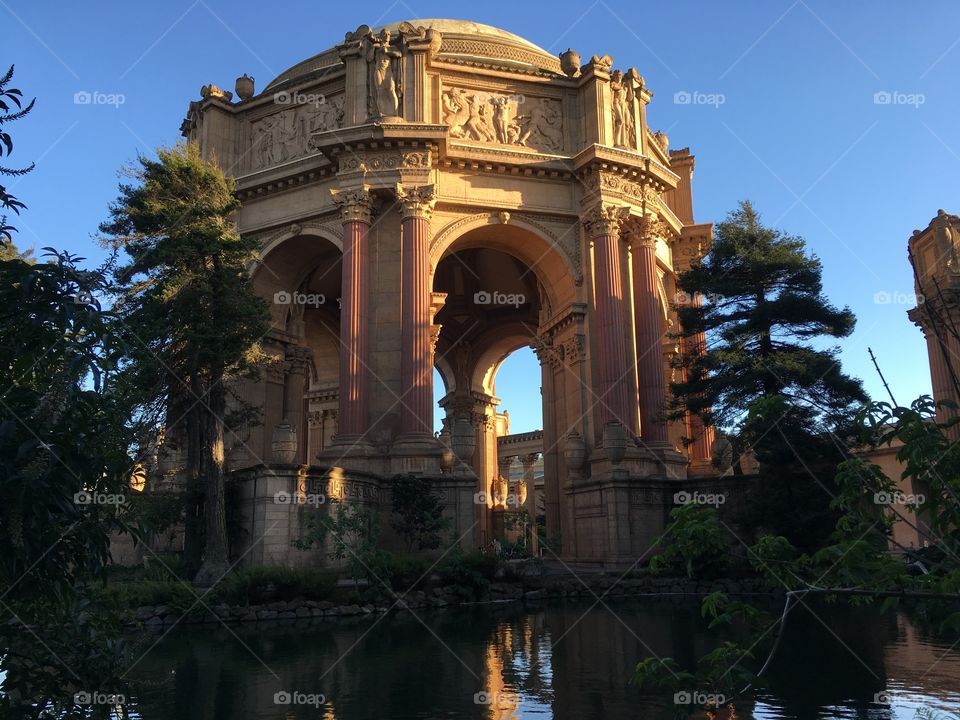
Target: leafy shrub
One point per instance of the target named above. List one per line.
(472, 570)
(266, 584)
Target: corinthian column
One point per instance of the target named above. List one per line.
(603, 224)
(642, 236)
(356, 210)
(416, 348)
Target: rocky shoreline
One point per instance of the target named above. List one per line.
(160, 617)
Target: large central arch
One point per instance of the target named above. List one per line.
(501, 284)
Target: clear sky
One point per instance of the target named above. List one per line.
(783, 111)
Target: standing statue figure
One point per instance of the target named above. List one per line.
(382, 59)
(624, 133)
(948, 240)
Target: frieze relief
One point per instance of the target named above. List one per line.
(285, 135)
(535, 123)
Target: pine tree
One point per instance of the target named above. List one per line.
(765, 377)
(191, 320)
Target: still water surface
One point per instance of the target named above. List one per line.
(560, 662)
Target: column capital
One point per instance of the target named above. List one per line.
(416, 201)
(643, 232)
(356, 204)
(604, 219)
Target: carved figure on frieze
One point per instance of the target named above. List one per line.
(384, 80)
(479, 125)
(456, 111)
(543, 127)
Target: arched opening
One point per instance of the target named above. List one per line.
(299, 277)
(501, 283)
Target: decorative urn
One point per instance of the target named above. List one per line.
(570, 62)
(244, 87)
(615, 441)
(464, 440)
(284, 444)
(575, 452)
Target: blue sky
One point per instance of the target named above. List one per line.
(798, 130)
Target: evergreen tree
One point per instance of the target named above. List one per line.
(765, 376)
(191, 320)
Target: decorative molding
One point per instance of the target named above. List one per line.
(356, 204)
(416, 201)
(363, 161)
(604, 220)
(643, 232)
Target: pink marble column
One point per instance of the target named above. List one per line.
(603, 224)
(648, 323)
(356, 208)
(416, 347)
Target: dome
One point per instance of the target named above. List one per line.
(463, 41)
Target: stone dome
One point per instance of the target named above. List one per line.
(464, 42)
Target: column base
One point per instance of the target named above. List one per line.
(701, 469)
(417, 453)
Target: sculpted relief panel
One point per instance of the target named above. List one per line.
(285, 135)
(536, 123)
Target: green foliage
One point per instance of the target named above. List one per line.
(764, 304)
(403, 572)
(418, 512)
(266, 584)
(694, 543)
(473, 570)
(351, 532)
(11, 110)
(761, 380)
(64, 440)
(191, 321)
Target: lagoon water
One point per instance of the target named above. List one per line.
(564, 661)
